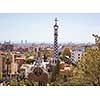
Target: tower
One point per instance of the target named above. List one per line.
(55, 56)
(21, 41)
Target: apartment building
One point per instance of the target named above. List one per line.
(76, 54)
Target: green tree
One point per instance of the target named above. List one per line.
(29, 61)
(46, 53)
(65, 52)
(28, 54)
(87, 71)
(0, 75)
(55, 72)
(23, 82)
(90, 65)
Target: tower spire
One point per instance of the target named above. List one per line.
(55, 55)
(56, 21)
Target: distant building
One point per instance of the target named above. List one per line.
(1, 63)
(21, 41)
(7, 46)
(5, 65)
(39, 75)
(37, 72)
(25, 41)
(3, 69)
(76, 54)
(14, 65)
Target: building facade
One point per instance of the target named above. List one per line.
(76, 54)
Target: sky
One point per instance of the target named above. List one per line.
(38, 27)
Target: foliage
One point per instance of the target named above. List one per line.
(28, 54)
(65, 52)
(23, 82)
(90, 65)
(29, 61)
(55, 72)
(0, 75)
(88, 70)
(46, 54)
(55, 84)
(86, 73)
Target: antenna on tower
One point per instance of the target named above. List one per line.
(56, 21)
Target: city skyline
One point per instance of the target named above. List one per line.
(38, 27)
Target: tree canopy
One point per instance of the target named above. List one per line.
(65, 52)
(87, 72)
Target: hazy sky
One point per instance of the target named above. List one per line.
(38, 27)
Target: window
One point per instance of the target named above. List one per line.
(78, 57)
(78, 54)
